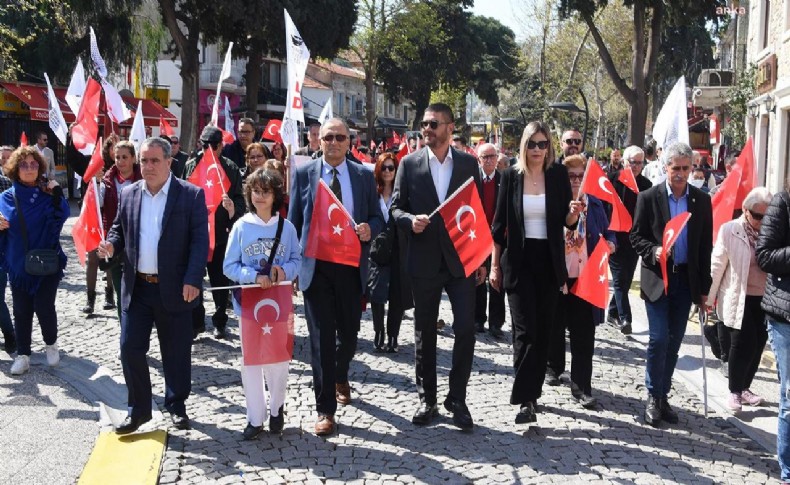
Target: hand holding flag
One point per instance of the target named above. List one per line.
(596, 183)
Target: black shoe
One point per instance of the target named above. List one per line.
(378, 341)
(613, 320)
(9, 343)
(526, 414)
(130, 424)
(481, 327)
(197, 331)
(392, 345)
(653, 411)
(90, 303)
(586, 400)
(667, 413)
(461, 416)
(219, 332)
(496, 332)
(552, 378)
(251, 432)
(625, 327)
(425, 414)
(180, 421)
(276, 423)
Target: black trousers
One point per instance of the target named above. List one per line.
(533, 304)
(576, 315)
(427, 296)
(216, 278)
(175, 343)
(747, 345)
(394, 317)
(333, 308)
(623, 265)
(496, 302)
(42, 305)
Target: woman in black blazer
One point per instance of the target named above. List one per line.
(533, 206)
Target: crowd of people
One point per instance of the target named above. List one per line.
(543, 226)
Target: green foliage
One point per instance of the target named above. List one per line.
(736, 108)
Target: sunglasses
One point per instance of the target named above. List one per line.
(636, 162)
(757, 216)
(337, 138)
(433, 124)
(531, 145)
(28, 165)
(573, 141)
(388, 168)
(174, 142)
(576, 176)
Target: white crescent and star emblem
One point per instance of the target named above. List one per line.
(273, 129)
(459, 213)
(602, 184)
(332, 207)
(263, 303)
(669, 235)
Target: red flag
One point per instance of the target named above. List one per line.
(96, 164)
(746, 162)
(395, 138)
(23, 140)
(86, 232)
(372, 145)
(86, 128)
(593, 282)
(211, 177)
(267, 325)
(227, 137)
(272, 131)
(597, 184)
(332, 231)
(671, 233)
(360, 156)
(627, 178)
(404, 150)
(723, 201)
(165, 128)
(472, 240)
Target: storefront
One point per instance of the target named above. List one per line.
(206, 104)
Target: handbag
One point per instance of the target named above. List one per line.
(381, 247)
(38, 262)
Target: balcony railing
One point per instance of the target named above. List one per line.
(209, 74)
(273, 96)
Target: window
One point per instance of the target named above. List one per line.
(405, 113)
(339, 103)
(765, 23)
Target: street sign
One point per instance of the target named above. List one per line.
(159, 94)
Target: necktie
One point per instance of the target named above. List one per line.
(335, 186)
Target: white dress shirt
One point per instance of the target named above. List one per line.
(345, 183)
(384, 205)
(441, 172)
(152, 209)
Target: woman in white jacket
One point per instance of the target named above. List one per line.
(738, 286)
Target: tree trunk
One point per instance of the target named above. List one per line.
(253, 78)
(420, 103)
(637, 119)
(370, 100)
(189, 96)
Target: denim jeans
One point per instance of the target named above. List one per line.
(779, 335)
(6, 325)
(623, 265)
(667, 318)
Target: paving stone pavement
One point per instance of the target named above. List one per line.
(376, 441)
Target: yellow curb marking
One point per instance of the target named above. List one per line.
(128, 459)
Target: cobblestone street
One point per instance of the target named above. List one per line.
(376, 441)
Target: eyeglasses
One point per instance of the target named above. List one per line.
(573, 141)
(28, 165)
(174, 142)
(575, 176)
(433, 124)
(636, 162)
(757, 216)
(488, 157)
(543, 144)
(337, 138)
(388, 168)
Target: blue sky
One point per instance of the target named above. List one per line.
(506, 11)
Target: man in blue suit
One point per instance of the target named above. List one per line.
(161, 282)
(332, 291)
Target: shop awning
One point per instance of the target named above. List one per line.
(35, 97)
(383, 122)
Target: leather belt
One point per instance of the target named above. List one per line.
(680, 268)
(148, 278)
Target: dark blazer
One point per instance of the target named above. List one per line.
(366, 209)
(773, 256)
(497, 183)
(508, 227)
(647, 233)
(415, 194)
(629, 201)
(183, 245)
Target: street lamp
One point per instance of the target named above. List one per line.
(572, 108)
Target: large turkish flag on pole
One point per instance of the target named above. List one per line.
(86, 128)
(723, 201)
(267, 325)
(211, 177)
(333, 234)
(748, 172)
(470, 234)
(596, 183)
(87, 231)
(671, 233)
(593, 282)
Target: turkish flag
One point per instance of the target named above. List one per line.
(372, 145)
(671, 233)
(211, 177)
(404, 150)
(164, 127)
(597, 184)
(332, 231)
(746, 162)
(360, 156)
(723, 201)
(272, 131)
(395, 138)
(227, 137)
(96, 164)
(267, 325)
(626, 177)
(593, 282)
(86, 128)
(472, 238)
(23, 140)
(87, 231)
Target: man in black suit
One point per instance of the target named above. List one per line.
(688, 271)
(425, 179)
(162, 230)
(487, 157)
(237, 151)
(623, 261)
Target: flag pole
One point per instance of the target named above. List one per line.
(448, 199)
(584, 179)
(703, 320)
(251, 285)
(98, 210)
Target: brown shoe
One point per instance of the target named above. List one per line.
(343, 393)
(439, 324)
(325, 425)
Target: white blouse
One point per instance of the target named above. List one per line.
(385, 207)
(534, 216)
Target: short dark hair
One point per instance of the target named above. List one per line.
(441, 108)
(265, 179)
(40, 134)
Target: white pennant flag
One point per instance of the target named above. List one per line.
(76, 88)
(289, 132)
(229, 119)
(326, 113)
(98, 62)
(224, 74)
(56, 121)
(137, 135)
(672, 123)
(116, 107)
(298, 56)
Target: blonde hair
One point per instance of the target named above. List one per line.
(575, 161)
(531, 129)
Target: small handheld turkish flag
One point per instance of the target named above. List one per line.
(96, 163)
(593, 282)
(404, 150)
(164, 127)
(332, 231)
(87, 230)
(272, 131)
(86, 128)
(267, 325)
(470, 235)
(23, 140)
(723, 201)
(597, 184)
(626, 177)
(671, 233)
(211, 177)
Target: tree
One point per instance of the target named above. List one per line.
(649, 19)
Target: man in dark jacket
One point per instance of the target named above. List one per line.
(237, 151)
(231, 208)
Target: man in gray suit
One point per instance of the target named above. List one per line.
(333, 291)
(424, 180)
